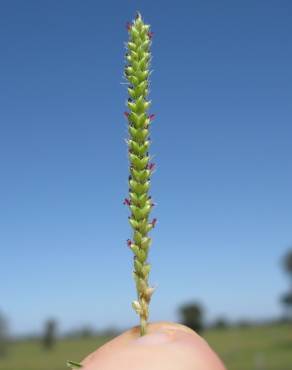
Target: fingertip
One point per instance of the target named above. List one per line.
(166, 345)
(153, 327)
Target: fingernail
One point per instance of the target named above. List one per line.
(154, 338)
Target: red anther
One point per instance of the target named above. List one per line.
(150, 35)
(126, 114)
(151, 166)
(128, 26)
(127, 202)
(129, 243)
(151, 117)
(153, 222)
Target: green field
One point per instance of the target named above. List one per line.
(253, 348)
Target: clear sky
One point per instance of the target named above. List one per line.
(222, 92)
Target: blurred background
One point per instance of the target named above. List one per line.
(222, 249)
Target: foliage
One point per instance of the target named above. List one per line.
(192, 316)
(49, 338)
(220, 323)
(3, 335)
(286, 298)
(287, 262)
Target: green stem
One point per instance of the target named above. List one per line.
(143, 326)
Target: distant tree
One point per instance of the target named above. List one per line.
(192, 316)
(220, 323)
(110, 332)
(244, 323)
(286, 298)
(287, 263)
(49, 337)
(86, 332)
(3, 335)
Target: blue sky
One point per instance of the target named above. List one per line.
(221, 89)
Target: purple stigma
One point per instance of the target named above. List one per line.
(126, 114)
(128, 26)
(153, 222)
(126, 202)
(129, 243)
(151, 117)
(151, 166)
(150, 35)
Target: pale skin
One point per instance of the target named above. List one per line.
(166, 346)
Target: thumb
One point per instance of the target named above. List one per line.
(166, 346)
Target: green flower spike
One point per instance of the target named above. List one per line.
(140, 204)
